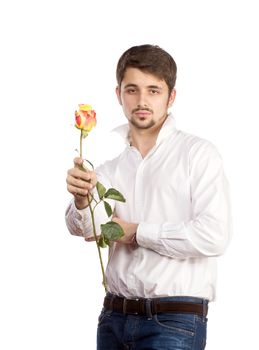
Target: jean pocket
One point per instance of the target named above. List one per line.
(201, 331)
(183, 324)
(103, 315)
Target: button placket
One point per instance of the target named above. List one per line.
(138, 188)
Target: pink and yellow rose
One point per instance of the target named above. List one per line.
(85, 118)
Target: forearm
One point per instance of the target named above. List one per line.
(78, 216)
(196, 239)
(79, 222)
(82, 202)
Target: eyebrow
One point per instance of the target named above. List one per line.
(149, 86)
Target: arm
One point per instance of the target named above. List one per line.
(81, 184)
(209, 230)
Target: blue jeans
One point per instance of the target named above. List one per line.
(163, 331)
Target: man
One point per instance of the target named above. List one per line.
(162, 273)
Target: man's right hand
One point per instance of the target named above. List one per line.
(80, 183)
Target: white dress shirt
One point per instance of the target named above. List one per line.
(179, 195)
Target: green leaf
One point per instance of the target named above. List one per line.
(111, 231)
(100, 189)
(114, 194)
(102, 242)
(107, 208)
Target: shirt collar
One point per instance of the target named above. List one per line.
(168, 128)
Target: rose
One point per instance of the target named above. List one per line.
(85, 120)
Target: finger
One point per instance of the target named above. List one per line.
(78, 161)
(75, 190)
(115, 219)
(77, 182)
(81, 174)
(90, 239)
(81, 164)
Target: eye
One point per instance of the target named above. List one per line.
(131, 91)
(154, 92)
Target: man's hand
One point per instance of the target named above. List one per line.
(80, 183)
(129, 229)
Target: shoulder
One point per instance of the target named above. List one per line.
(196, 146)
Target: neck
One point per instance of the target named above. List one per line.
(143, 139)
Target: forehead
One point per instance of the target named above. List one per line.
(141, 78)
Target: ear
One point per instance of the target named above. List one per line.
(118, 93)
(171, 98)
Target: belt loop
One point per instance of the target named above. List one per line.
(124, 306)
(148, 309)
(111, 301)
(111, 304)
(205, 309)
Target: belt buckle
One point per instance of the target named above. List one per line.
(124, 308)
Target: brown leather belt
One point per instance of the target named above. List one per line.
(153, 306)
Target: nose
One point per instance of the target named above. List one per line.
(142, 100)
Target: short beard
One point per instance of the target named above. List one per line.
(140, 126)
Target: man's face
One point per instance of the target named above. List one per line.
(144, 98)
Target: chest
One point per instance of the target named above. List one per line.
(164, 171)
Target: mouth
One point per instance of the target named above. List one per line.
(142, 113)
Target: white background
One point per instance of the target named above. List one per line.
(56, 54)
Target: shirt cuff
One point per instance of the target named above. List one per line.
(78, 220)
(148, 234)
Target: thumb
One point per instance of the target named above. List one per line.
(78, 161)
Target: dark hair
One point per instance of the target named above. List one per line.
(151, 59)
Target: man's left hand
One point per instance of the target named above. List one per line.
(129, 229)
